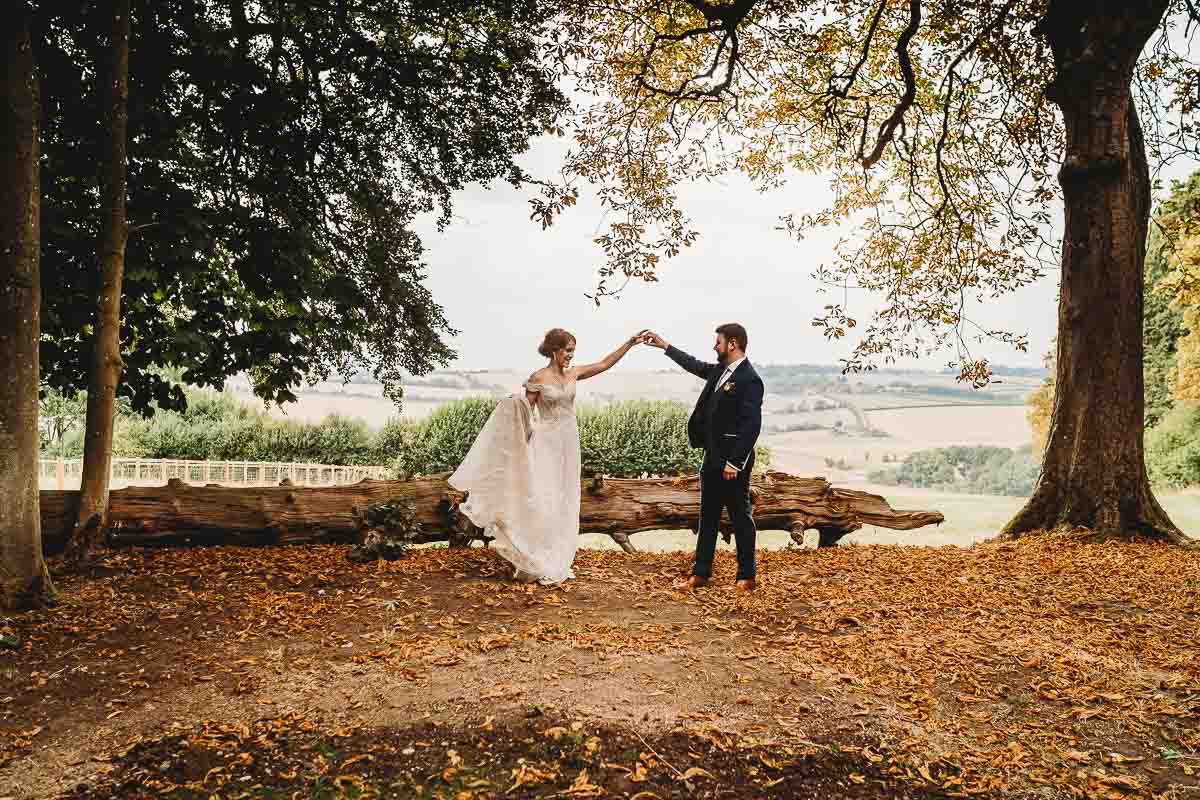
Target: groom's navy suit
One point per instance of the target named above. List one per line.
(726, 423)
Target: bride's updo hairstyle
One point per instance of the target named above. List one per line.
(556, 339)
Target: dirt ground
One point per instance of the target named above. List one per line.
(1054, 667)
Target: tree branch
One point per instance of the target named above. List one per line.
(949, 83)
(730, 15)
(721, 18)
(887, 131)
(844, 92)
(1193, 16)
(133, 230)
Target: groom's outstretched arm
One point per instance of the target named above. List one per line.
(748, 424)
(695, 366)
(701, 369)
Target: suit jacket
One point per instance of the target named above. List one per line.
(727, 420)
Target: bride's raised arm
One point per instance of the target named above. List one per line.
(590, 370)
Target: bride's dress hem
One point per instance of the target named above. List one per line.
(526, 568)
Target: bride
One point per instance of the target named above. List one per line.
(522, 475)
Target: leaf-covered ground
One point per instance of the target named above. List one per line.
(1054, 667)
(292, 756)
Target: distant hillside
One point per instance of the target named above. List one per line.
(999, 370)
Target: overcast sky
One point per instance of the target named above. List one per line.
(503, 281)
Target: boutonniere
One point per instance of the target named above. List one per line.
(728, 387)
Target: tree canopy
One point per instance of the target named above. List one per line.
(278, 156)
(934, 121)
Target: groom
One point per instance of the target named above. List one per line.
(725, 423)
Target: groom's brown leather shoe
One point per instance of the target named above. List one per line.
(747, 585)
(691, 582)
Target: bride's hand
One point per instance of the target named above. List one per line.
(652, 339)
(637, 338)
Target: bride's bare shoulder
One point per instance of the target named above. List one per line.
(538, 375)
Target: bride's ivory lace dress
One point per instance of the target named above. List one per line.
(522, 479)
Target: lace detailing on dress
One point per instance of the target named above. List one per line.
(555, 402)
(524, 490)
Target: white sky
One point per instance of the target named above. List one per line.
(503, 281)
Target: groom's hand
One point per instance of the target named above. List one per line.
(729, 473)
(654, 340)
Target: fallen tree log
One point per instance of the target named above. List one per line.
(617, 507)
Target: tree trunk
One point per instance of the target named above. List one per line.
(1094, 472)
(24, 581)
(106, 349)
(291, 515)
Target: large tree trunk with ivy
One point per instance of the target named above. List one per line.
(106, 348)
(24, 581)
(1094, 472)
(142, 515)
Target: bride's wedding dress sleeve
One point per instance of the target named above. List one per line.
(532, 387)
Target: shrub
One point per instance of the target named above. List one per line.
(636, 438)
(388, 530)
(622, 440)
(400, 435)
(884, 477)
(1012, 473)
(335, 440)
(1173, 447)
(441, 441)
(217, 427)
(979, 470)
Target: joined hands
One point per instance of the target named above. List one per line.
(653, 339)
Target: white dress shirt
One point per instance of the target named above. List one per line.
(729, 370)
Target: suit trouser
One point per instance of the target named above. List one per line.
(717, 494)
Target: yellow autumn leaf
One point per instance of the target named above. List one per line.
(697, 772)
